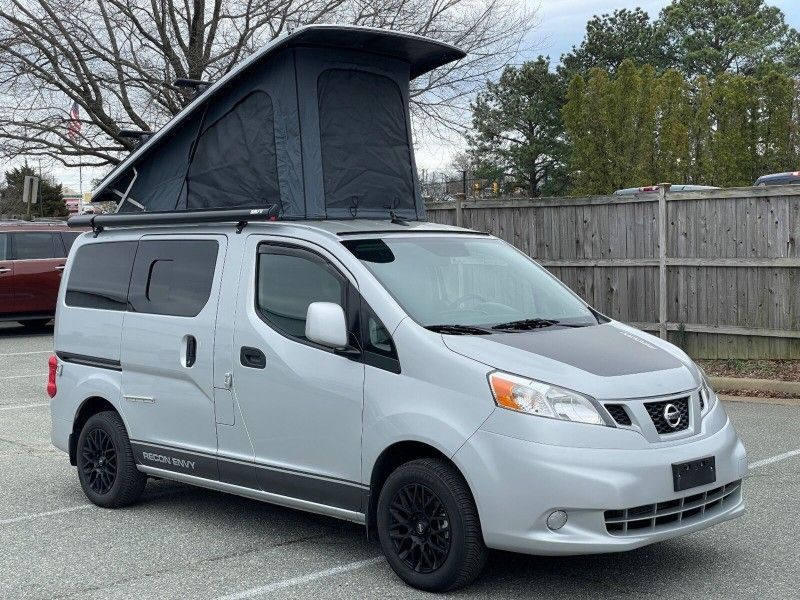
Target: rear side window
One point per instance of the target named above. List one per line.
(173, 277)
(100, 275)
(35, 245)
(288, 281)
(4, 253)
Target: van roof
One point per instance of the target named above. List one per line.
(338, 229)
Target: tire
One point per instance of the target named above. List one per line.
(106, 467)
(448, 520)
(34, 323)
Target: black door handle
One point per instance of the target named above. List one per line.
(191, 350)
(252, 357)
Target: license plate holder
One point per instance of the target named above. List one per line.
(694, 473)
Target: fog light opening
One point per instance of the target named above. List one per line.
(556, 520)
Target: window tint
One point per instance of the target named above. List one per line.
(4, 253)
(288, 281)
(69, 238)
(35, 244)
(173, 277)
(100, 275)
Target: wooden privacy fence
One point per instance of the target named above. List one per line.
(717, 272)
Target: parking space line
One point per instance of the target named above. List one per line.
(23, 376)
(16, 406)
(773, 459)
(285, 583)
(26, 353)
(49, 513)
(58, 511)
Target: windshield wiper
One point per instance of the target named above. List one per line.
(458, 329)
(525, 324)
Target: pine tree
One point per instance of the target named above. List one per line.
(50, 195)
(776, 92)
(674, 156)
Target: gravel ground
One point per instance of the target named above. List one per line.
(184, 542)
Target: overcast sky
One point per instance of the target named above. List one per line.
(562, 24)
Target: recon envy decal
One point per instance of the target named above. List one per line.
(169, 460)
(173, 459)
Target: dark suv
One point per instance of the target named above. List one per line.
(32, 256)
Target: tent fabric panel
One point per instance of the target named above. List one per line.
(235, 160)
(366, 159)
(160, 174)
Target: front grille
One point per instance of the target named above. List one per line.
(656, 412)
(650, 518)
(619, 414)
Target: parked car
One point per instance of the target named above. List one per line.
(651, 189)
(32, 256)
(432, 383)
(788, 178)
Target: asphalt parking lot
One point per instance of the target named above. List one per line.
(184, 542)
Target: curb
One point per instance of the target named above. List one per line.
(751, 400)
(721, 384)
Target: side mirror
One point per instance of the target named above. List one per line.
(325, 324)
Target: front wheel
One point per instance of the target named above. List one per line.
(106, 467)
(428, 526)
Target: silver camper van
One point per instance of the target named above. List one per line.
(333, 352)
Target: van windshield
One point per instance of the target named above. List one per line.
(464, 281)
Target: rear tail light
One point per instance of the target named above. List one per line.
(52, 365)
(649, 188)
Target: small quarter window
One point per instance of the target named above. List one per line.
(288, 281)
(100, 275)
(4, 253)
(173, 277)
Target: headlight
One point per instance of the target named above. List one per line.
(707, 394)
(542, 399)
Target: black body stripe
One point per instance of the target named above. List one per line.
(90, 361)
(329, 491)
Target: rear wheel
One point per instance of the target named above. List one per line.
(428, 526)
(106, 467)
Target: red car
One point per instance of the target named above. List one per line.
(32, 256)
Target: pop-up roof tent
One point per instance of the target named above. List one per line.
(316, 123)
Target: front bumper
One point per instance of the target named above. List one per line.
(518, 483)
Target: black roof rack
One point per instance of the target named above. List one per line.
(239, 216)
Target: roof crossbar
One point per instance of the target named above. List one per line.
(239, 216)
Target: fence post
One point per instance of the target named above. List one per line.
(459, 207)
(663, 188)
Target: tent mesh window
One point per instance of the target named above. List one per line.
(366, 159)
(235, 162)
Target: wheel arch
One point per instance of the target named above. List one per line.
(388, 460)
(88, 408)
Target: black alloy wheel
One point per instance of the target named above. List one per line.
(100, 461)
(106, 465)
(428, 526)
(419, 528)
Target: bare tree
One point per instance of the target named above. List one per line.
(117, 60)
